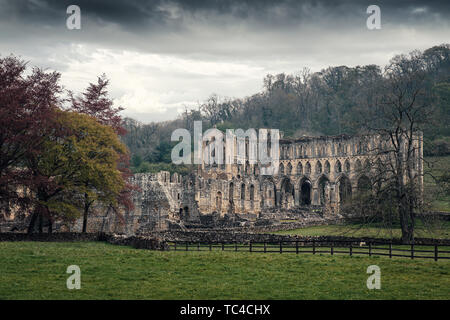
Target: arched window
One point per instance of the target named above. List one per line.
(364, 185)
(308, 168)
(338, 167)
(243, 192)
(347, 166)
(324, 185)
(231, 192)
(289, 169)
(345, 190)
(327, 167)
(299, 168)
(281, 169)
(318, 167)
(219, 201)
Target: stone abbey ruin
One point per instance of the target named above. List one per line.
(316, 176)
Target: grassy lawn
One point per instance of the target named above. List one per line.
(436, 166)
(437, 230)
(37, 270)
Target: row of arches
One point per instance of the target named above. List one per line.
(284, 193)
(322, 168)
(339, 191)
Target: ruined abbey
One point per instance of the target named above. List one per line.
(316, 176)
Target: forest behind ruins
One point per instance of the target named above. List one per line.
(334, 101)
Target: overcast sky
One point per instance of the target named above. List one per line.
(164, 55)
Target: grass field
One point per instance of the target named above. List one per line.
(37, 270)
(436, 166)
(437, 230)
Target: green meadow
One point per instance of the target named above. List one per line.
(37, 270)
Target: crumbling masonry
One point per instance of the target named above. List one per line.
(316, 175)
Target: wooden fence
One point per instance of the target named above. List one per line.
(436, 252)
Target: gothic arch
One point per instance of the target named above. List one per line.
(318, 167)
(324, 189)
(281, 169)
(344, 189)
(305, 188)
(231, 192)
(364, 184)
(347, 166)
(289, 169)
(299, 169)
(327, 167)
(287, 193)
(308, 168)
(219, 201)
(338, 167)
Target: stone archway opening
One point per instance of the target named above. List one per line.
(305, 192)
(324, 190)
(364, 185)
(345, 190)
(287, 194)
(219, 201)
(231, 192)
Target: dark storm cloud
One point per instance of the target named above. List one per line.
(163, 55)
(140, 15)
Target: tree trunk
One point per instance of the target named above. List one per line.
(40, 221)
(85, 213)
(406, 222)
(32, 222)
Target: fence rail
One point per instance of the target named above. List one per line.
(412, 251)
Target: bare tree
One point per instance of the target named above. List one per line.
(397, 117)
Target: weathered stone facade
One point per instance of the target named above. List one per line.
(316, 175)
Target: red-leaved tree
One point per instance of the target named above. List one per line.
(27, 104)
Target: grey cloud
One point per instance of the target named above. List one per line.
(267, 36)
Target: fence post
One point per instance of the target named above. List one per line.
(281, 246)
(331, 248)
(370, 249)
(187, 244)
(351, 249)
(265, 247)
(435, 252)
(210, 246)
(390, 250)
(250, 245)
(412, 251)
(198, 246)
(314, 246)
(296, 247)
(235, 246)
(175, 246)
(223, 246)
